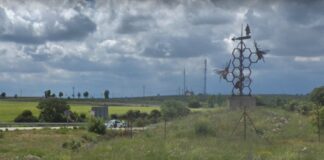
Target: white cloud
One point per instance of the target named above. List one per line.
(307, 59)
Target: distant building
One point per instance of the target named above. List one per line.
(189, 93)
(100, 111)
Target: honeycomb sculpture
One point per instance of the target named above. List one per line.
(238, 70)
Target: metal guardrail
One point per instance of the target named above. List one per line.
(39, 124)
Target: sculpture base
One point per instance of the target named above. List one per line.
(237, 102)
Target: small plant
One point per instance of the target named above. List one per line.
(211, 101)
(89, 138)
(62, 130)
(1, 134)
(74, 145)
(202, 128)
(97, 125)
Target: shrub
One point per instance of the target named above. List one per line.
(97, 125)
(291, 106)
(83, 117)
(305, 108)
(194, 104)
(321, 116)
(89, 138)
(114, 116)
(211, 101)
(260, 101)
(26, 116)
(140, 122)
(74, 145)
(1, 134)
(203, 128)
(173, 109)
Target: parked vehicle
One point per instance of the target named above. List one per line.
(115, 123)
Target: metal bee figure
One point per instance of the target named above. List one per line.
(223, 72)
(260, 53)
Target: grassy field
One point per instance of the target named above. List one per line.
(201, 135)
(10, 109)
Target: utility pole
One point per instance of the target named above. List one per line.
(205, 77)
(144, 91)
(184, 82)
(73, 95)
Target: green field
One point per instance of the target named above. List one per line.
(10, 109)
(201, 135)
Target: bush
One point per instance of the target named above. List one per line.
(114, 116)
(194, 104)
(173, 109)
(140, 122)
(301, 107)
(260, 101)
(26, 116)
(73, 145)
(203, 128)
(97, 125)
(211, 101)
(305, 108)
(89, 138)
(83, 117)
(321, 116)
(1, 134)
(291, 106)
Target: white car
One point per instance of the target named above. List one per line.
(114, 123)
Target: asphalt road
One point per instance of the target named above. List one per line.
(69, 127)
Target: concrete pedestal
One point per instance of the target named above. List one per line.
(237, 102)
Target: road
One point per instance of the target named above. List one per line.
(69, 127)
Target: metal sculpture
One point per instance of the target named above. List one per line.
(238, 69)
(238, 72)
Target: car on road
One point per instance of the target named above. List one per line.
(115, 123)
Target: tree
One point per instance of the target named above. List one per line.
(79, 95)
(131, 117)
(15, 96)
(47, 93)
(194, 104)
(26, 116)
(86, 94)
(3, 95)
(61, 94)
(154, 116)
(317, 96)
(52, 110)
(106, 94)
(173, 109)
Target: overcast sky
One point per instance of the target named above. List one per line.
(122, 45)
